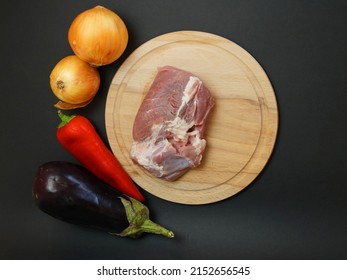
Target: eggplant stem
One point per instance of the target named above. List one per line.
(139, 221)
(151, 227)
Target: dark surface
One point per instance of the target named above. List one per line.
(296, 208)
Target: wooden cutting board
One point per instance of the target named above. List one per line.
(241, 129)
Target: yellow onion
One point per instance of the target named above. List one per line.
(98, 36)
(74, 82)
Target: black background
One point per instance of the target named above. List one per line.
(296, 208)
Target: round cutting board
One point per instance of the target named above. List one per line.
(241, 128)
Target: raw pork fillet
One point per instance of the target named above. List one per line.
(169, 126)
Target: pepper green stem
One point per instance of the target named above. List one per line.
(139, 221)
(65, 119)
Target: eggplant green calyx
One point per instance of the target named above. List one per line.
(65, 119)
(139, 221)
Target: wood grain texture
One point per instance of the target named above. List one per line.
(241, 128)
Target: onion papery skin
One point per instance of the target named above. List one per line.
(74, 81)
(98, 36)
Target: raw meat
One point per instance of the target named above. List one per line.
(169, 126)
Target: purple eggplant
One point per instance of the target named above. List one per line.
(71, 193)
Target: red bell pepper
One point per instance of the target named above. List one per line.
(78, 136)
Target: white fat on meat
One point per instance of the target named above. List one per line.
(170, 123)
